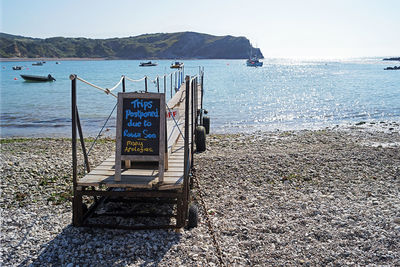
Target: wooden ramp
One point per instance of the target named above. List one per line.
(145, 175)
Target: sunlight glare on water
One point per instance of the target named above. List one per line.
(283, 94)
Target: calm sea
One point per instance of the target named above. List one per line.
(283, 94)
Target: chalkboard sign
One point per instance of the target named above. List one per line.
(140, 133)
(140, 126)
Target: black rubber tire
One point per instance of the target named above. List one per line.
(200, 136)
(206, 124)
(193, 216)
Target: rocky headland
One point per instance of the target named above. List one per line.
(392, 59)
(180, 45)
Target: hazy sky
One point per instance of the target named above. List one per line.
(281, 28)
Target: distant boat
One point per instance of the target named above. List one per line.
(176, 65)
(37, 64)
(147, 64)
(35, 78)
(17, 68)
(254, 62)
(392, 68)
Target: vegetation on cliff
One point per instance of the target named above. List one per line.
(392, 59)
(181, 45)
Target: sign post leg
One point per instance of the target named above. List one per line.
(118, 170)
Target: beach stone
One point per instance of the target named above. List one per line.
(348, 205)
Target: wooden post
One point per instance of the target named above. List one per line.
(186, 162)
(166, 139)
(145, 84)
(117, 176)
(202, 88)
(77, 207)
(165, 84)
(127, 162)
(163, 139)
(195, 103)
(158, 84)
(75, 203)
(176, 82)
(171, 84)
(182, 76)
(73, 109)
(192, 84)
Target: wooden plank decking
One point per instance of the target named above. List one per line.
(139, 177)
(142, 176)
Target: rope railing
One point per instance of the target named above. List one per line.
(156, 81)
(152, 80)
(160, 81)
(107, 91)
(115, 86)
(138, 80)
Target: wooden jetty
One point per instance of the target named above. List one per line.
(165, 178)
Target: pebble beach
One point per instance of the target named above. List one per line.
(315, 198)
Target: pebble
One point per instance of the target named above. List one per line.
(263, 208)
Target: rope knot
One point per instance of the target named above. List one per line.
(107, 91)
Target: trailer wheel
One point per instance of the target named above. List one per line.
(193, 217)
(200, 136)
(206, 124)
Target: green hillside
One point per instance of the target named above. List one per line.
(182, 45)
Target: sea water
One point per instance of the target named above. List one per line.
(282, 94)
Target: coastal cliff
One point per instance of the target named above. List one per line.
(392, 59)
(182, 45)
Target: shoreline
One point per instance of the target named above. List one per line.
(49, 59)
(378, 126)
(288, 198)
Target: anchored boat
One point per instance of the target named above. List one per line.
(35, 78)
(176, 65)
(147, 64)
(254, 62)
(392, 68)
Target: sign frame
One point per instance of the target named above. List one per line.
(161, 138)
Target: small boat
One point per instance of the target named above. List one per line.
(254, 62)
(176, 65)
(37, 64)
(35, 78)
(392, 68)
(147, 64)
(17, 68)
